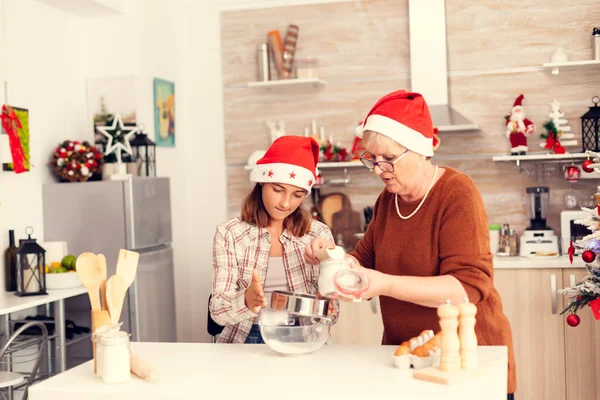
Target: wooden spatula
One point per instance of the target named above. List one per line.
(115, 295)
(127, 266)
(102, 265)
(90, 275)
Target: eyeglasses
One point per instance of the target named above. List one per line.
(385, 166)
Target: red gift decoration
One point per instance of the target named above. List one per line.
(595, 305)
(11, 124)
(572, 173)
(436, 139)
(357, 148)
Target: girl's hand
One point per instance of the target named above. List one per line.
(255, 295)
(317, 244)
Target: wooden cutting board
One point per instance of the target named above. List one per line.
(331, 204)
(346, 223)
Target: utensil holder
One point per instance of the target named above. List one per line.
(99, 318)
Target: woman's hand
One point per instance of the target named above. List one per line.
(317, 244)
(379, 283)
(255, 295)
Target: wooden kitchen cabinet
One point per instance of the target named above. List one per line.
(537, 328)
(358, 324)
(582, 349)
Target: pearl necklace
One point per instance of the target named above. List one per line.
(422, 201)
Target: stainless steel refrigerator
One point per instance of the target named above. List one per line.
(105, 216)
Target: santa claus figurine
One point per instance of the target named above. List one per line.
(518, 128)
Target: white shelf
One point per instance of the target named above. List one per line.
(570, 64)
(316, 82)
(327, 165)
(540, 157)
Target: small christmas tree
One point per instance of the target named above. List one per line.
(558, 134)
(586, 292)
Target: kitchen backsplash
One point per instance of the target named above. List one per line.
(364, 53)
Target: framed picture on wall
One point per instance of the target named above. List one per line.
(164, 112)
(23, 115)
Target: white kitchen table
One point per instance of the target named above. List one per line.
(228, 371)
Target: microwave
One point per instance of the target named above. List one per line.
(569, 230)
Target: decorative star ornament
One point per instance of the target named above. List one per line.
(120, 139)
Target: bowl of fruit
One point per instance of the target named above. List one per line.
(62, 274)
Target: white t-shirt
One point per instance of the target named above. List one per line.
(275, 279)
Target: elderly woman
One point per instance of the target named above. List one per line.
(428, 240)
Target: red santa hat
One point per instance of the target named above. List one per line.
(290, 159)
(403, 117)
(519, 101)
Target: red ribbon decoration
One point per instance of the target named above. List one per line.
(596, 308)
(11, 124)
(571, 252)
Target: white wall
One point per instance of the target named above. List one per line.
(51, 53)
(40, 62)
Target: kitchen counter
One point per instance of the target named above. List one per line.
(10, 303)
(230, 371)
(524, 262)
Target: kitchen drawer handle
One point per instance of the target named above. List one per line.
(572, 281)
(553, 292)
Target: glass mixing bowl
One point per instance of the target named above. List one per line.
(290, 334)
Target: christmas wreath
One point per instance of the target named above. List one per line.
(76, 162)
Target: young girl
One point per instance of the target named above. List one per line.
(263, 249)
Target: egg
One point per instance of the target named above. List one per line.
(402, 350)
(406, 344)
(429, 346)
(436, 340)
(421, 351)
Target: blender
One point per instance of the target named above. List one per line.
(538, 239)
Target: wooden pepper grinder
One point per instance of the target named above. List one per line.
(466, 332)
(450, 346)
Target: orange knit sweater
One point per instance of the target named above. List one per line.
(447, 236)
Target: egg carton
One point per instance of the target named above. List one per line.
(407, 361)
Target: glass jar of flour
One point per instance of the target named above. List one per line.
(337, 279)
(112, 356)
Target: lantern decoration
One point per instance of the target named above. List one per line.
(590, 127)
(143, 154)
(31, 267)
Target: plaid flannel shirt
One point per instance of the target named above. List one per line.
(238, 249)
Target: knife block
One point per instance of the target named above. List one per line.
(99, 318)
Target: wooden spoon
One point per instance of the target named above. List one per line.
(127, 266)
(102, 264)
(115, 295)
(90, 275)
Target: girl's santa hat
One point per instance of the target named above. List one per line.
(403, 117)
(290, 159)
